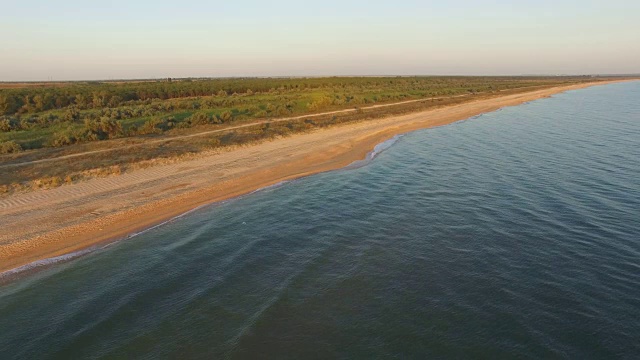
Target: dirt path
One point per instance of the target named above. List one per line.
(49, 223)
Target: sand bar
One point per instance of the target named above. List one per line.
(48, 223)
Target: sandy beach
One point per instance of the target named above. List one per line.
(48, 223)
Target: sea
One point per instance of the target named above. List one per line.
(513, 234)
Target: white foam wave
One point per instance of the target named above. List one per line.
(377, 150)
(383, 146)
(45, 262)
(270, 187)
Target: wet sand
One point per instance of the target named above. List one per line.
(48, 223)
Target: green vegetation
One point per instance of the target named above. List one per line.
(53, 116)
(105, 121)
(9, 147)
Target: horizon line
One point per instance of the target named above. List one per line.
(51, 80)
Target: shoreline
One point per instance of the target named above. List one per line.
(75, 219)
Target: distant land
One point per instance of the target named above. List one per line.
(200, 78)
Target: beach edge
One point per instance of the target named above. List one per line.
(114, 227)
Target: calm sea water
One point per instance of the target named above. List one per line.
(511, 235)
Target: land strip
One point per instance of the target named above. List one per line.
(48, 223)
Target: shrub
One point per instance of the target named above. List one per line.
(26, 123)
(5, 125)
(72, 114)
(282, 111)
(46, 120)
(115, 101)
(132, 130)
(106, 128)
(63, 139)
(319, 103)
(9, 147)
(150, 127)
(199, 118)
(226, 116)
(156, 126)
(170, 122)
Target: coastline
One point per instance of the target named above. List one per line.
(51, 223)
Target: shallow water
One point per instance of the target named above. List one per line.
(512, 234)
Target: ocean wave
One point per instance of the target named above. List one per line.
(268, 187)
(377, 150)
(45, 262)
(383, 146)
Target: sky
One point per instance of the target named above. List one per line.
(115, 39)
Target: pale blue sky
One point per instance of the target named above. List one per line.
(71, 40)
